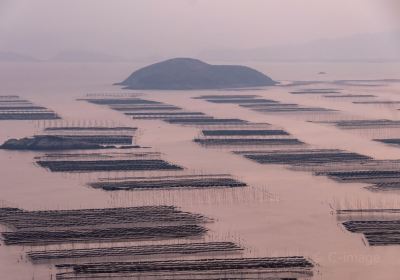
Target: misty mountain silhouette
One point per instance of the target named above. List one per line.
(360, 47)
(15, 57)
(188, 73)
(85, 56)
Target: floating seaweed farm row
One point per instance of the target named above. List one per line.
(75, 138)
(103, 234)
(380, 227)
(341, 166)
(336, 93)
(247, 141)
(107, 165)
(377, 102)
(162, 250)
(234, 268)
(99, 225)
(138, 108)
(310, 159)
(245, 132)
(103, 135)
(374, 124)
(246, 135)
(96, 139)
(365, 124)
(371, 124)
(254, 102)
(134, 161)
(12, 107)
(303, 157)
(153, 223)
(266, 105)
(21, 219)
(111, 161)
(350, 96)
(230, 132)
(169, 182)
(145, 223)
(148, 223)
(380, 179)
(322, 91)
(80, 138)
(188, 181)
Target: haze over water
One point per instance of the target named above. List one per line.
(282, 212)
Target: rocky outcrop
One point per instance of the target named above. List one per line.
(47, 142)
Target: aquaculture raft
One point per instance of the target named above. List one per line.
(169, 182)
(22, 219)
(93, 225)
(317, 91)
(102, 235)
(390, 141)
(245, 135)
(14, 108)
(233, 268)
(244, 132)
(90, 129)
(180, 249)
(107, 165)
(365, 124)
(138, 108)
(103, 135)
(380, 227)
(255, 103)
(96, 139)
(299, 157)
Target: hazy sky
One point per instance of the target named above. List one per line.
(142, 28)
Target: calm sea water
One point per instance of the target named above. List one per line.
(19, 76)
(284, 212)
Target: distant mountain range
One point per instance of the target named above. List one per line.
(65, 56)
(15, 57)
(85, 56)
(362, 47)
